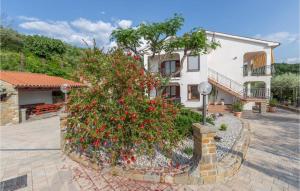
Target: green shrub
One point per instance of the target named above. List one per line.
(184, 120)
(223, 127)
(237, 106)
(188, 151)
(273, 102)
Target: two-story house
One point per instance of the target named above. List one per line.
(241, 68)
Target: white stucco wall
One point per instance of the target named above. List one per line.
(228, 59)
(189, 78)
(228, 99)
(35, 96)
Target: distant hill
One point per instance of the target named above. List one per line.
(37, 54)
(282, 68)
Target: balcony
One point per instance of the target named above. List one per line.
(260, 93)
(261, 71)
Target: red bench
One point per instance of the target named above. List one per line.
(46, 108)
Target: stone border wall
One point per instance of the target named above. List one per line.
(205, 170)
(9, 108)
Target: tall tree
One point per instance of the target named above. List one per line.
(161, 38)
(44, 47)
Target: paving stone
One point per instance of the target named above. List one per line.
(272, 162)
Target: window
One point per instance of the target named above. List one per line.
(3, 96)
(193, 63)
(193, 93)
(169, 67)
(172, 91)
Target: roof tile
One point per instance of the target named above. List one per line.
(27, 79)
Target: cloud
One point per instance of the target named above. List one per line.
(124, 24)
(282, 37)
(27, 18)
(75, 31)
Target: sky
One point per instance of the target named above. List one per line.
(74, 20)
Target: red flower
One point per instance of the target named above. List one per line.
(136, 57)
(103, 127)
(142, 72)
(105, 143)
(96, 143)
(152, 102)
(119, 126)
(81, 139)
(126, 112)
(142, 126)
(121, 101)
(122, 118)
(132, 158)
(129, 53)
(151, 108)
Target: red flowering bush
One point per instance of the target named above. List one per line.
(114, 114)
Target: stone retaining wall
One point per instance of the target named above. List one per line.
(205, 168)
(9, 107)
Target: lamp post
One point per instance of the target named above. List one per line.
(204, 88)
(65, 88)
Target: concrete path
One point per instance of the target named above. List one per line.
(32, 148)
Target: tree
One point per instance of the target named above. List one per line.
(10, 40)
(160, 38)
(282, 68)
(284, 86)
(44, 47)
(114, 115)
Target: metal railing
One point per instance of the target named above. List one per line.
(262, 71)
(225, 81)
(238, 88)
(261, 93)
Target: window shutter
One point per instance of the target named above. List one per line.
(162, 68)
(178, 91)
(164, 90)
(177, 65)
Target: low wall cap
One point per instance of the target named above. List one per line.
(208, 128)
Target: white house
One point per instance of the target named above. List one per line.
(241, 68)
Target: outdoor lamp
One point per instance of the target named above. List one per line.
(204, 88)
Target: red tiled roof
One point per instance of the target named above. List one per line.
(33, 80)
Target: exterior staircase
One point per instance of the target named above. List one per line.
(234, 88)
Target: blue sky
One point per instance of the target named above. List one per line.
(72, 20)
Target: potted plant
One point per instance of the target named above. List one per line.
(237, 108)
(272, 105)
(214, 95)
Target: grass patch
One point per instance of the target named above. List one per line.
(188, 151)
(223, 127)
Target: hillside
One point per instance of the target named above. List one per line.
(37, 54)
(282, 68)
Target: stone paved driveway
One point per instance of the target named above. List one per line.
(32, 148)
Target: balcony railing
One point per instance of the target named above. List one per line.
(262, 71)
(261, 93)
(167, 74)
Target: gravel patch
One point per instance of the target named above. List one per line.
(182, 153)
(234, 126)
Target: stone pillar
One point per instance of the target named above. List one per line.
(248, 89)
(23, 116)
(262, 107)
(205, 152)
(63, 126)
